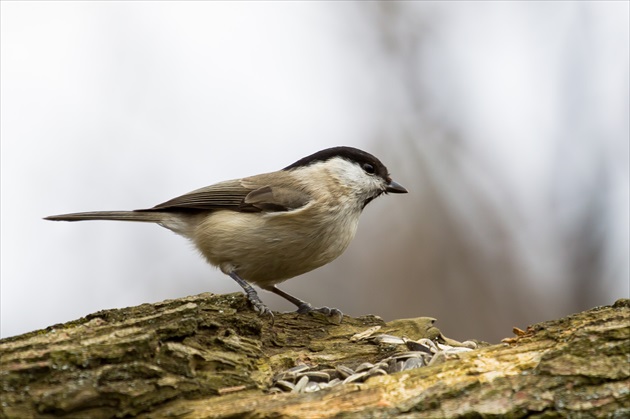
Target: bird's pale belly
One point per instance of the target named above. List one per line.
(268, 249)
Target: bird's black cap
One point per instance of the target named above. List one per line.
(349, 153)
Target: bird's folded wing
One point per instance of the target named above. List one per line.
(244, 195)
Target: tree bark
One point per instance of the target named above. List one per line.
(211, 356)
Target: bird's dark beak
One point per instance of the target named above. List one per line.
(394, 187)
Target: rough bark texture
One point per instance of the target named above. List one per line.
(211, 356)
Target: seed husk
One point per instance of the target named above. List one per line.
(316, 376)
(355, 377)
(300, 385)
(344, 371)
(364, 367)
(285, 385)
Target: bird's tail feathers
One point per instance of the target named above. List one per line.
(142, 216)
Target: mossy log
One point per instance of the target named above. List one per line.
(211, 356)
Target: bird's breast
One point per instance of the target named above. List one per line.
(268, 248)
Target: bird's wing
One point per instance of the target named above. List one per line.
(253, 194)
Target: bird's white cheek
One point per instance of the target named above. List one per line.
(358, 185)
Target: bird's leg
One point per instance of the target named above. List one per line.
(252, 295)
(303, 306)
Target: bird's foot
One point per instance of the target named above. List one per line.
(333, 314)
(253, 297)
(261, 308)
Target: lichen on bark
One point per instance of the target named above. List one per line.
(212, 356)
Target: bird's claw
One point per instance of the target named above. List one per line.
(263, 310)
(260, 307)
(333, 313)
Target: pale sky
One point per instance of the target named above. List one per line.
(122, 105)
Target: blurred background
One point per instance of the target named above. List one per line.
(507, 121)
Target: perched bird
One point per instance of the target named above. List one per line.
(267, 228)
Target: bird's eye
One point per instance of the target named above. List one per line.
(368, 168)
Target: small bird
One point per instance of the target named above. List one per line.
(267, 228)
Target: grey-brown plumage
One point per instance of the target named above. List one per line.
(271, 227)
